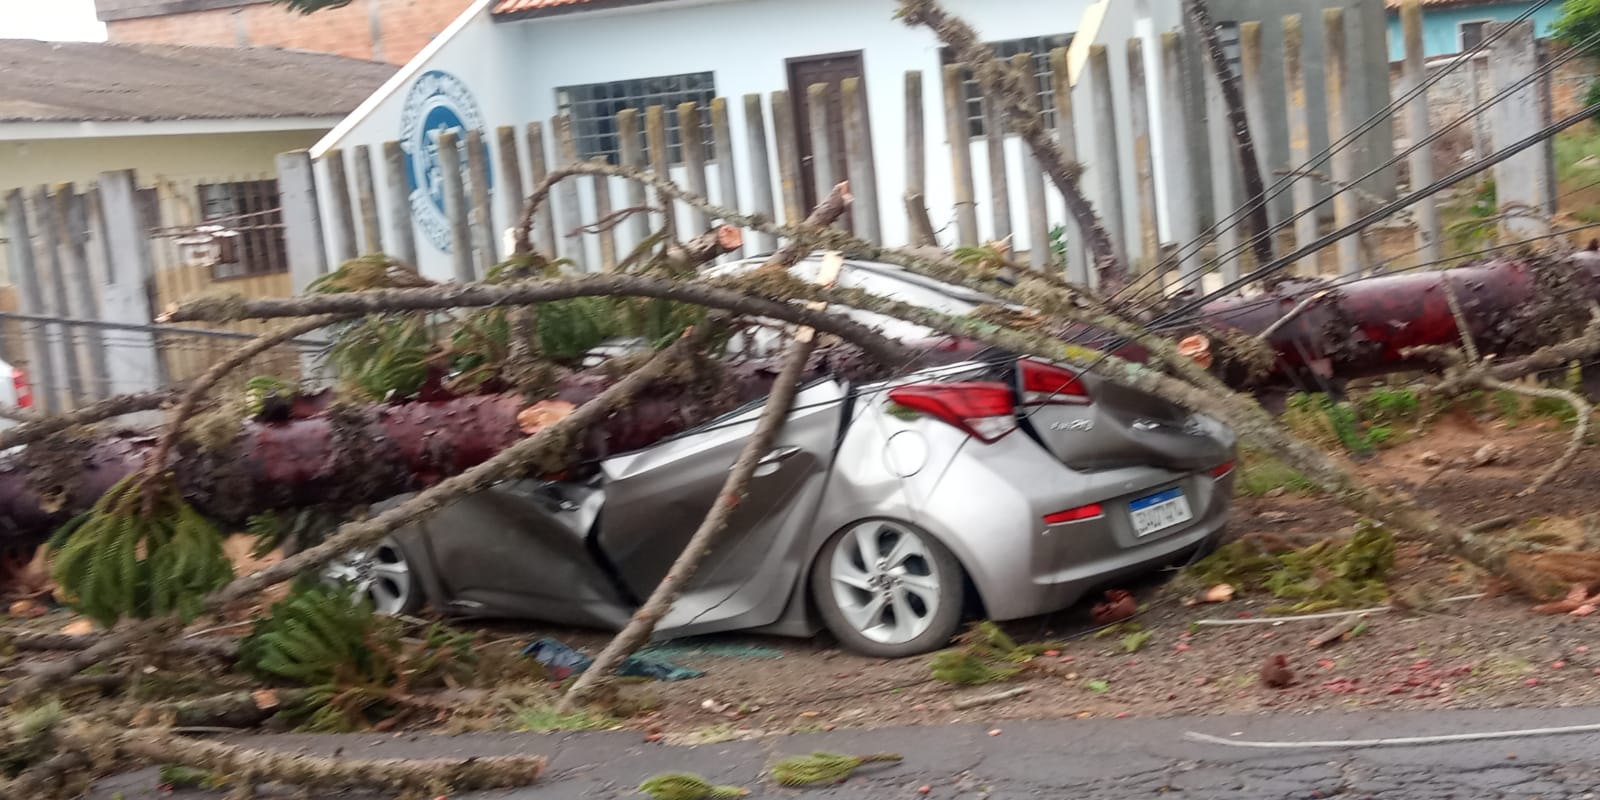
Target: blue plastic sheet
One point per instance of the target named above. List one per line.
(562, 662)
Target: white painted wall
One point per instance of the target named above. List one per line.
(514, 67)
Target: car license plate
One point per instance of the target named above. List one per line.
(1159, 512)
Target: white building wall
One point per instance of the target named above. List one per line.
(513, 68)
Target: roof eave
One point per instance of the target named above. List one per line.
(572, 9)
(36, 130)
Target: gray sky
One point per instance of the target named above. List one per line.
(58, 20)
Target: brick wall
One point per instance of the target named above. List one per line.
(1451, 97)
(382, 30)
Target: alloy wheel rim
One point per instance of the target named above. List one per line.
(885, 582)
(380, 573)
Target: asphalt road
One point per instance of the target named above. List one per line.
(1080, 760)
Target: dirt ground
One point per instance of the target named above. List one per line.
(1486, 652)
(1491, 651)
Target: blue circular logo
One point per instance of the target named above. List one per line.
(437, 103)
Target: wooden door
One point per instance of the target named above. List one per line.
(829, 69)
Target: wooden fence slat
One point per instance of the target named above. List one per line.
(960, 139)
(1345, 208)
(1144, 165)
(655, 128)
(73, 217)
(1067, 135)
(367, 197)
(1106, 167)
(569, 239)
(455, 207)
(1039, 255)
(822, 158)
(1524, 181)
(1305, 191)
(789, 168)
(727, 170)
(512, 194)
(761, 201)
(482, 216)
(344, 220)
(1226, 219)
(604, 229)
(864, 211)
(30, 290)
(915, 199)
(994, 141)
(544, 222)
(401, 230)
(1254, 86)
(65, 337)
(631, 154)
(1181, 210)
(302, 219)
(691, 136)
(1429, 248)
(124, 295)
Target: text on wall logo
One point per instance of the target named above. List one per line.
(437, 103)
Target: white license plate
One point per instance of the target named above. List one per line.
(1159, 512)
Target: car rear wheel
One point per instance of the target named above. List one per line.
(383, 574)
(887, 589)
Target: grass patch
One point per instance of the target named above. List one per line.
(1328, 574)
(1261, 474)
(544, 719)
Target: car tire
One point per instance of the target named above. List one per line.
(908, 601)
(385, 573)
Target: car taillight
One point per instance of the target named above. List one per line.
(1078, 514)
(1222, 469)
(983, 409)
(19, 382)
(1048, 384)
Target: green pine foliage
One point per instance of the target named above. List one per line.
(687, 786)
(140, 552)
(358, 665)
(820, 768)
(1329, 574)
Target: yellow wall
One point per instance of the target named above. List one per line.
(32, 163)
(172, 164)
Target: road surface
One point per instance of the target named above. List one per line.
(1080, 760)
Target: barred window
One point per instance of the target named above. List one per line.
(1037, 46)
(593, 108)
(1228, 37)
(250, 214)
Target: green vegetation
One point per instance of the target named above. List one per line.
(1325, 575)
(1260, 474)
(544, 719)
(821, 768)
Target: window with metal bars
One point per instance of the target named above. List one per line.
(1037, 46)
(1228, 37)
(593, 108)
(252, 240)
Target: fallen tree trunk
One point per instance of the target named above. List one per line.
(1338, 331)
(349, 456)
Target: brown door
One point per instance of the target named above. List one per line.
(831, 70)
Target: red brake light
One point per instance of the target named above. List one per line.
(983, 409)
(1222, 469)
(19, 382)
(1075, 514)
(1046, 384)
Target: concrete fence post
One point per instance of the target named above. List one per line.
(1522, 182)
(1417, 130)
(1345, 206)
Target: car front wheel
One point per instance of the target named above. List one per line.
(383, 574)
(888, 590)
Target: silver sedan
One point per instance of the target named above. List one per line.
(886, 513)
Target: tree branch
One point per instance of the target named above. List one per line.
(875, 345)
(773, 415)
(1001, 83)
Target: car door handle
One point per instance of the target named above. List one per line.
(780, 454)
(769, 462)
